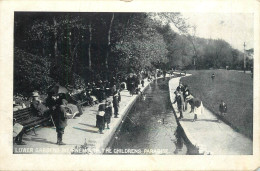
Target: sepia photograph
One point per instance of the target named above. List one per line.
(100, 85)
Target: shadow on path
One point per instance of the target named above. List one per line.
(86, 130)
(41, 140)
(92, 126)
(207, 120)
(187, 120)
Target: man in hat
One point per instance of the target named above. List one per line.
(37, 105)
(179, 102)
(115, 104)
(60, 118)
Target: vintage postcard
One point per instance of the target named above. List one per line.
(112, 85)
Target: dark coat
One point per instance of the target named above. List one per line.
(70, 99)
(59, 116)
(186, 93)
(102, 107)
(179, 101)
(108, 114)
(50, 102)
(180, 87)
(195, 102)
(119, 97)
(115, 101)
(100, 119)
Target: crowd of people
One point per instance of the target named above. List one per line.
(61, 105)
(183, 97)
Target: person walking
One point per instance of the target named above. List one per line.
(60, 118)
(179, 103)
(115, 104)
(51, 103)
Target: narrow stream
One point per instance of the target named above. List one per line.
(150, 127)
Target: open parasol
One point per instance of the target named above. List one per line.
(58, 89)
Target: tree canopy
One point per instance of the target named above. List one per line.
(75, 48)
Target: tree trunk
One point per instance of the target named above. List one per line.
(108, 40)
(55, 40)
(89, 45)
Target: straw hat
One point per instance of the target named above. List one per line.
(35, 94)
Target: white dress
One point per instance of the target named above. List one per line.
(199, 110)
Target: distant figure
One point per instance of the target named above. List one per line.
(178, 99)
(222, 108)
(186, 93)
(142, 82)
(115, 104)
(108, 113)
(212, 76)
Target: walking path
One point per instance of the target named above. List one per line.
(80, 132)
(209, 135)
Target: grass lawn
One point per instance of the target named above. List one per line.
(235, 88)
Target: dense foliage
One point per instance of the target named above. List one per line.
(75, 48)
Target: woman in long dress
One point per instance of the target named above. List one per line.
(198, 108)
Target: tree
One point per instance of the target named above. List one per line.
(139, 45)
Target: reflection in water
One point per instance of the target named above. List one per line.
(179, 141)
(150, 127)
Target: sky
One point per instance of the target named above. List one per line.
(235, 28)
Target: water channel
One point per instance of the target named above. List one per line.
(150, 127)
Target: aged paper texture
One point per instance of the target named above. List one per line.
(52, 161)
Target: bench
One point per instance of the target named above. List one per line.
(28, 119)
